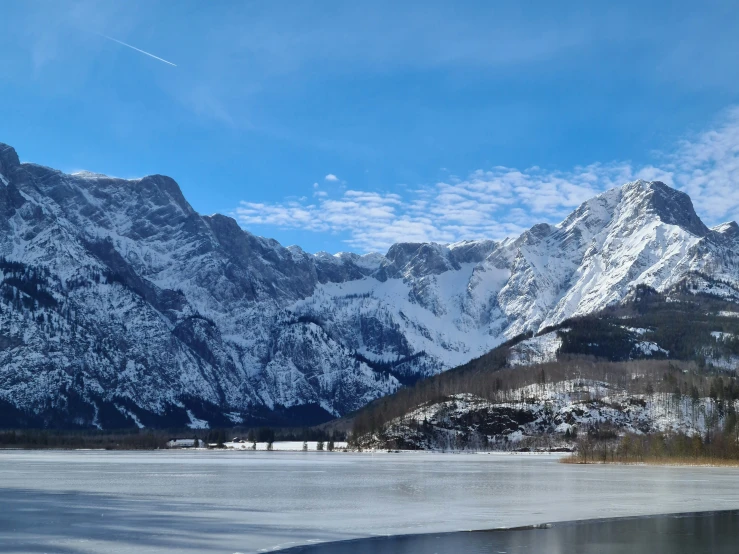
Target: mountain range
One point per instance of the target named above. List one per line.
(121, 306)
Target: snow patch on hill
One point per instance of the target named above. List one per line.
(648, 348)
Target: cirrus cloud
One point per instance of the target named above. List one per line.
(502, 201)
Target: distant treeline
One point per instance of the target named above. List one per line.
(144, 439)
(718, 444)
(72, 440)
(270, 434)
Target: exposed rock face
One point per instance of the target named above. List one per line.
(120, 304)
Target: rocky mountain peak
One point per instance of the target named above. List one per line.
(472, 251)
(166, 187)
(411, 259)
(729, 229)
(8, 159)
(536, 234)
(672, 206)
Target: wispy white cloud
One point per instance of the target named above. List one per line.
(504, 201)
(487, 204)
(707, 168)
(331, 177)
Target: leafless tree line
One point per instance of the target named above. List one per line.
(679, 380)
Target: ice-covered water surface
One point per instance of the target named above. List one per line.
(259, 501)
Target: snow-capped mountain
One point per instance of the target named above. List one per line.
(121, 305)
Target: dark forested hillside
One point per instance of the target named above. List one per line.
(690, 327)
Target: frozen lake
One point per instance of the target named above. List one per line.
(72, 502)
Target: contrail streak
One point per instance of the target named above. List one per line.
(137, 49)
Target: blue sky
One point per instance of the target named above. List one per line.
(351, 125)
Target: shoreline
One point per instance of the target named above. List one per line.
(293, 451)
(673, 462)
(565, 458)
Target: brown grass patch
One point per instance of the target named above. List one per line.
(664, 461)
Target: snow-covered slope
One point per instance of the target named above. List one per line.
(121, 305)
(548, 411)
